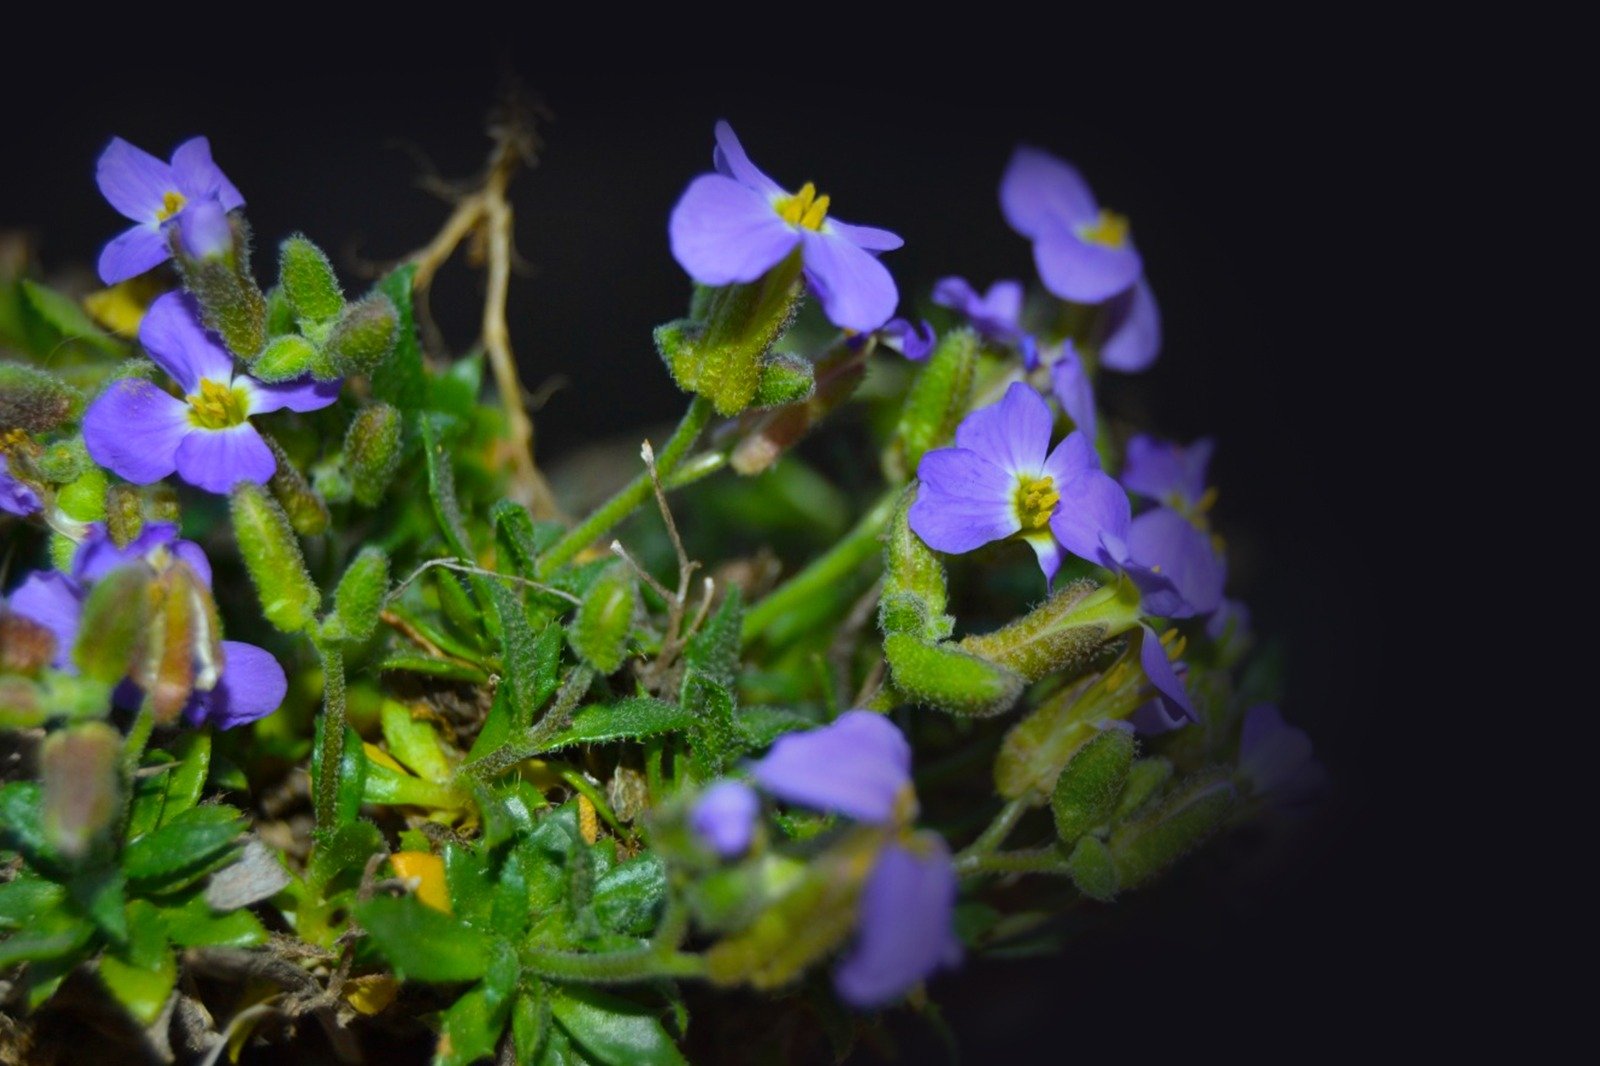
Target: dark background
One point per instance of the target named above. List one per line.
(1250, 183)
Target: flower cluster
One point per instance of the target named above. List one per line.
(188, 198)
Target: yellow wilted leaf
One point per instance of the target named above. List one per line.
(427, 870)
(372, 993)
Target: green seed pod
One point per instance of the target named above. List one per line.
(267, 542)
(1087, 791)
(599, 632)
(936, 402)
(80, 785)
(307, 511)
(1056, 635)
(359, 597)
(719, 353)
(124, 514)
(784, 379)
(364, 335)
(65, 461)
(33, 401)
(372, 452)
(307, 280)
(914, 590)
(1093, 870)
(85, 499)
(1144, 848)
(944, 676)
(288, 357)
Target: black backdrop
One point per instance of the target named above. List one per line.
(1250, 185)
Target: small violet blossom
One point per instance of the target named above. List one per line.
(143, 434)
(733, 226)
(914, 342)
(1131, 337)
(190, 193)
(725, 817)
(1083, 252)
(859, 766)
(1170, 474)
(1277, 759)
(15, 497)
(251, 684)
(1002, 479)
(996, 315)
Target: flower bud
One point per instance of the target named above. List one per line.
(291, 356)
(784, 379)
(271, 553)
(836, 375)
(307, 280)
(84, 500)
(33, 401)
(359, 596)
(1144, 848)
(65, 461)
(26, 647)
(936, 402)
(80, 786)
(1087, 791)
(307, 511)
(914, 591)
(22, 705)
(1093, 871)
(364, 335)
(599, 632)
(124, 514)
(372, 452)
(944, 676)
(1064, 631)
(231, 304)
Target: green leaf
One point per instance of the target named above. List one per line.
(24, 901)
(466, 875)
(185, 845)
(615, 1031)
(141, 976)
(448, 669)
(516, 536)
(470, 1030)
(628, 898)
(353, 770)
(637, 716)
(519, 656)
(714, 651)
(423, 944)
(67, 318)
(760, 726)
(403, 381)
(343, 853)
(413, 741)
(599, 632)
(194, 924)
(53, 935)
(21, 824)
(530, 1022)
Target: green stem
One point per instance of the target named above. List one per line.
(1040, 861)
(333, 727)
(144, 722)
(634, 493)
(840, 561)
(613, 967)
(992, 837)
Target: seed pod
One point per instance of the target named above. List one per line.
(936, 402)
(271, 553)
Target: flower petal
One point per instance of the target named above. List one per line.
(1048, 551)
(723, 232)
(1133, 338)
(1071, 385)
(135, 182)
(964, 501)
(904, 929)
(1176, 567)
(1158, 669)
(98, 554)
(1093, 507)
(55, 601)
(871, 238)
(731, 161)
(218, 459)
(856, 291)
(1038, 188)
(914, 342)
(859, 765)
(132, 252)
(724, 817)
(1082, 271)
(301, 394)
(1166, 472)
(1277, 758)
(198, 178)
(252, 686)
(175, 338)
(15, 497)
(134, 429)
(204, 230)
(1013, 433)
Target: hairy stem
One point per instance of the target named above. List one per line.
(995, 835)
(1039, 861)
(333, 726)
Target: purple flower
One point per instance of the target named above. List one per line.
(53, 600)
(1170, 707)
(1001, 479)
(190, 193)
(996, 315)
(15, 497)
(1231, 621)
(1069, 380)
(250, 683)
(859, 765)
(733, 226)
(1276, 758)
(1178, 570)
(724, 817)
(911, 341)
(1083, 252)
(903, 926)
(1132, 330)
(1169, 473)
(143, 433)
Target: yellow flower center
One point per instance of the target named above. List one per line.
(1036, 501)
(1110, 230)
(12, 439)
(805, 208)
(171, 204)
(216, 406)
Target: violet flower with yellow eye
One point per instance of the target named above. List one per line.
(190, 192)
